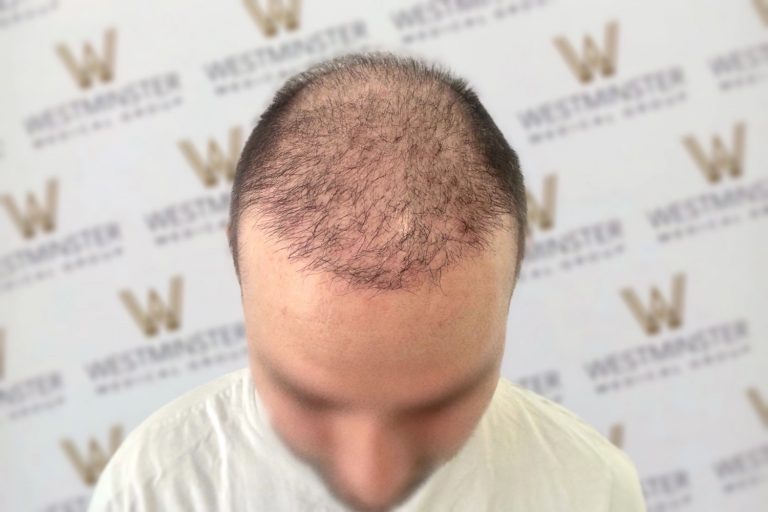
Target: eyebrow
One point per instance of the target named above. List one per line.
(315, 399)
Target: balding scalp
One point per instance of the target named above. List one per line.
(379, 170)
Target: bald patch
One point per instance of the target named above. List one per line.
(376, 174)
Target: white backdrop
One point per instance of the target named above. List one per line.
(641, 128)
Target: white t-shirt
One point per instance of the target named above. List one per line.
(214, 449)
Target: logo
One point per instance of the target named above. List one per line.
(616, 435)
(762, 9)
(759, 404)
(36, 216)
(218, 162)
(543, 213)
(90, 467)
(721, 159)
(157, 313)
(277, 13)
(594, 60)
(91, 67)
(660, 311)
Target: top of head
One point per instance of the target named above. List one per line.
(378, 170)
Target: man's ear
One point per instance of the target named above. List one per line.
(229, 243)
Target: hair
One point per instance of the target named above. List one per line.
(378, 169)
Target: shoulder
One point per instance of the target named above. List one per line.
(192, 410)
(558, 441)
(552, 423)
(180, 429)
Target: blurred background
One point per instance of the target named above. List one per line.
(641, 129)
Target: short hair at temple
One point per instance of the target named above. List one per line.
(379, 170)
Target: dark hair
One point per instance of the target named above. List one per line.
(377, 168)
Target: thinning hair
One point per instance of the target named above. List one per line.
(378, 169)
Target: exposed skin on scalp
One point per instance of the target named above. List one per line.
(382, 172)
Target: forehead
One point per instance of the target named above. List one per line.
(326, 329)
(334, 339)
(392, 367)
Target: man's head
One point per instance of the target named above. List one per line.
(377, 227)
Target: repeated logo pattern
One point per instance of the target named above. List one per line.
(640, 304)
(92, 67)
(659, 312)
(39, 215)
(90, 464)
(220, 163)
(277, 13)
(156, 313)
(594, 60)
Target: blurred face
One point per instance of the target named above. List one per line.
(374, 391)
